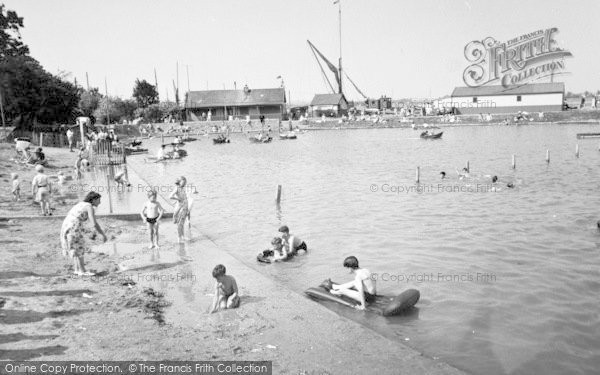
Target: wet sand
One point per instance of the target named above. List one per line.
(58, 160)
(150, 305)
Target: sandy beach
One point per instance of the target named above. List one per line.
(48, 314)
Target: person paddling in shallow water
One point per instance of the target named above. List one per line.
(292, 243)
(181, 206)
(71, 233)
(361, 289)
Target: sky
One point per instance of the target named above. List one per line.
(408, 48)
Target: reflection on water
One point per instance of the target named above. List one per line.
(508, 276)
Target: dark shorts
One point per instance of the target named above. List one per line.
(151, 220)
(302, 246)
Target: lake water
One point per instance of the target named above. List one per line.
(509, 278)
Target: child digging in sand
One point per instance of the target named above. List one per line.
(151, 214)
(226, 291)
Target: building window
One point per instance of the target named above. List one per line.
(518, 98)
(474, 99)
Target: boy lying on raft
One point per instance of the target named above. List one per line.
(361, 289)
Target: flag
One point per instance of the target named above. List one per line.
(336, 1)
(278, 77)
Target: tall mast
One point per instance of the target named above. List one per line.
(340, 62)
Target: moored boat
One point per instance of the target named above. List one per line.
(220, 140)
(427, 135)
(290, 135)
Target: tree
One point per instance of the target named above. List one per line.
(126, 108)
(10, 37)
(145, 93)
(117, 109)
(89, 101)
(31, 94)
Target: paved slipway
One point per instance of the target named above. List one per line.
(47, 315)
(274, 323)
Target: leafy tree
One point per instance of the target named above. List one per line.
(89, 101)
(145, 93)
(10, 37)
(126, 108)
(117, 109)
(168, 108)
(31, 94)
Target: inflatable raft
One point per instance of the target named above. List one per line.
(384, 305)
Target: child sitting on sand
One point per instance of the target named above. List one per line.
(151, 214)
(226, 290)
(16, 187)
(361, 289)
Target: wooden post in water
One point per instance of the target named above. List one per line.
(109, 194)
(468, 167)
(418, 176)
(514, 161)
(577, 150)
(278, 199)
(547, 156)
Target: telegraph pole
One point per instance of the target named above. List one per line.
(107, 100)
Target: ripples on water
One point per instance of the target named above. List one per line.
(509, 279)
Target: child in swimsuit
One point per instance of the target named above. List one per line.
(226, 290)
(362, 289)
(16, 187)
(278, 252)
(151, 214)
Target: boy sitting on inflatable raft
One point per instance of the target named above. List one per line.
(361, 289)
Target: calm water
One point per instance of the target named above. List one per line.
(509, 279)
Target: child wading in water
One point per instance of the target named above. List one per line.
(16, 187)
(226, 290)
(151, 214)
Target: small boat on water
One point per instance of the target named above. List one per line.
(290, 135)
(427, 135)
(134, 150)
(217, 141)
(265, 139)
(588, 135)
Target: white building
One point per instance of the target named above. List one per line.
(535, 97)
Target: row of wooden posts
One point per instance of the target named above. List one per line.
(105, 153)
(418, 173)
(514, 162)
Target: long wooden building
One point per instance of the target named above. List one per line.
(223, 104)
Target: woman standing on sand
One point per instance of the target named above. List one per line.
(71, 233)
(181, 206)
